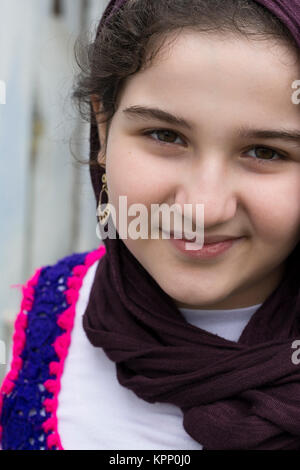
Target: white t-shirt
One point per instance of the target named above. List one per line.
(96, 413)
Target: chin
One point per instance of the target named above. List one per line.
(186, 300)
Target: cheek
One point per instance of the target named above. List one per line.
(142, 178)
(275, 208)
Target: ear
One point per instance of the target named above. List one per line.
(102, 127)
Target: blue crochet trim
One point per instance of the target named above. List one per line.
(23, 412)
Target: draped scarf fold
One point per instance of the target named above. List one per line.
(233, 395)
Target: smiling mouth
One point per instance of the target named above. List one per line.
(208, 251)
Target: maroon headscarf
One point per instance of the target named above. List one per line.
(233, 395)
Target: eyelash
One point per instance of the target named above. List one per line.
(259, 161)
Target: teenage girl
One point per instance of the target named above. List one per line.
(142, 343)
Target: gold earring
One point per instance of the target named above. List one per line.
(103, 214)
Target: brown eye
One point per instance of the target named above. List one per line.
(264, 152)
(168, 135)
(266, 155)
(164, 136)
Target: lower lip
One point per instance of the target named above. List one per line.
(211, 250)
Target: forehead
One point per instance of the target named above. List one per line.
(205, 72)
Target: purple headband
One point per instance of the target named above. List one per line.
(288, 11)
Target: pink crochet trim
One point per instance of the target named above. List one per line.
(62, 343)
(19, 337)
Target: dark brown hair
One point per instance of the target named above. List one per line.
(135, 34)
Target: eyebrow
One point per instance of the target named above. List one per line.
(289, 135)
(145, 112)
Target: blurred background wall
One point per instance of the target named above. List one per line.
(47, 207)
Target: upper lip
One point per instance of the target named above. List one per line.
(210, 239)
(219, 238)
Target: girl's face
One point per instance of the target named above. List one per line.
(219, 87)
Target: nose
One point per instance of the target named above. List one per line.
(213, 184)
